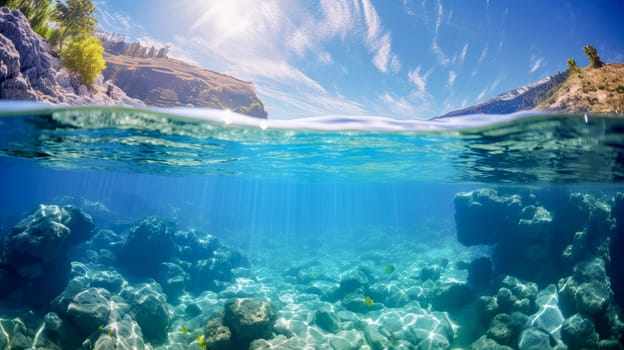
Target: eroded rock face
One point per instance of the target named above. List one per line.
(28, 72)
(249, 318)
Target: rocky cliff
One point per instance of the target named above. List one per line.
(169, 83)
(28, 72)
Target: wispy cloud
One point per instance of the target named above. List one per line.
(420, 81)
(378, 41)
(483, 55)
(462, 55)
(451, 78)
(398, 105)
(536, 63)
(489, 89)
(435, 47)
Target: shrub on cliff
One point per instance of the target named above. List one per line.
(592, 55)
(84, 58)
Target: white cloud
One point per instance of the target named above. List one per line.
(536, 63)
(325, 57)
(462, 55)
(398, 105)
(451, 78)
(420, 81)
(377, 42)
(435, 47)
(489, 89)
(395, 64)
(483, 55)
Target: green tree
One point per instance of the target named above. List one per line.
(38, 12)
(592, 55)
(84, 59)
(572, 67)
(76, 18)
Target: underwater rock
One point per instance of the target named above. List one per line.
(356, 302)
(483, 217)
(376, 337)
(89, 309)
(44, 237)
(433, 331)
(172, 279)
(452, 297)
(521, 289)
(126, 334)
(390, 295)
(534, 339)
(207, 273)
(14, 332)
(592, 297)
(354, 281)
(480, 271)
(148, 307)
(194, 245)
(217, 336)
(326, 319)
(112, 281)
(616, 268)
(485, 343)
(505, 329)
(149, 242)
(9, 280)
(578, 332)
(549, 317)
(62, 331)
(249, 319)
(37, 250)
(430, 273)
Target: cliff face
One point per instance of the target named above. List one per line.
(169, 83)
(596, 90)
(28, 72)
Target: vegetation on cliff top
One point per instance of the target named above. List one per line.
(69, 27)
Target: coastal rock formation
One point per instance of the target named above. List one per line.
(551, 234)
(29, 72)
(171, 83)
(36, 252)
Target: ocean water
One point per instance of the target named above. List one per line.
(359, 232)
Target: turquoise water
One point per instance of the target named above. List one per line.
(311, 205)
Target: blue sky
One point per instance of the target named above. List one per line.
(397, 58)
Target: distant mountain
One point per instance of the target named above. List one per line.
(597, 90)
(526, 97)
(164, 82)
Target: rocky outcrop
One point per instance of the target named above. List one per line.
(543, 236)
(171, 83)
(35, 254)
(29, 72)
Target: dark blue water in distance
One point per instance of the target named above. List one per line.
(357, 232)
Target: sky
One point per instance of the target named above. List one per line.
(404, 59)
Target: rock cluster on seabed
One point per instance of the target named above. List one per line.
(551, 278)
(153, 285)
(29, 72)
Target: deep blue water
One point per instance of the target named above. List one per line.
(335, 193)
